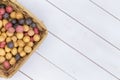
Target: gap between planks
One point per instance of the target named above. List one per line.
(104, 10)
(57, 66)
(25, 74)
(89, 30)
(84, 55)
(84, 26)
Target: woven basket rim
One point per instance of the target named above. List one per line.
(41, 26)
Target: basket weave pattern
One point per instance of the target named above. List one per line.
(43, 33)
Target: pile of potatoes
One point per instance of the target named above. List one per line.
(18, 34)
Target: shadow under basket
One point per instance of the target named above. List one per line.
(43, 33)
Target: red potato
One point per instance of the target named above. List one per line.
(6, 65)
(19, 29)
(31, 39)
(11, 30)
(2, 44)
(8, 25)
(9, 9)
(2, 11)
(36, 30)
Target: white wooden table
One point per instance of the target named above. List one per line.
(83, 41)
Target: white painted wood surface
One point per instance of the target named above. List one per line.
(83, 41)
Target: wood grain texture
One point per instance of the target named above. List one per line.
(99, 51)
(111, 6)
(93, 17)
(71, 61)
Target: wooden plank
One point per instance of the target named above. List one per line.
(39, 69)
(97, 20)
(70, 61)
(76, 35)
(112, 6)
(17, 76)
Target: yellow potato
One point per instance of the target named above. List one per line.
(19, 15)
(4, 22)
(2, 52)
(3, 30)
(31, 44)
(22, 54)
(9, 33)
(13, 15)
(4, 34)
(12, 61)
(14, 38)
(2, 38)
(36, 37)
(27, 49)
(26, 28)
(7, 49)
(15, 44)
(20, 43)
(26, 39)
(31, 32)
(20, 49)
(8, 39)
(14, 51)
(2, 59)
(8, 56)
(19, 35)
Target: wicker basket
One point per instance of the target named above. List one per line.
(18, 7)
